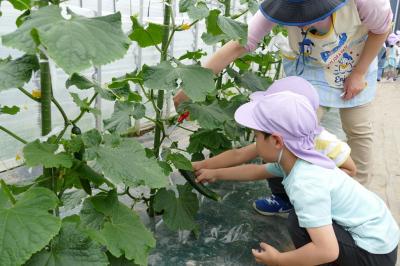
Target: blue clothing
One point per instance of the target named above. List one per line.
(329, 96)
(320, 196)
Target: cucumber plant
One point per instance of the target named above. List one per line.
(94, 169)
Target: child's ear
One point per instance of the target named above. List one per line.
(277, 141)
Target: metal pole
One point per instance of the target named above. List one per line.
(171, 52)
(138, 58)
(98, 118)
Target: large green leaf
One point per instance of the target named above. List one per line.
(235, 30)
(74, 44)
(120, 120)
(71, 247)
(80, 82)
(198, 12)
(27, 226)
(197, 81)
(127, 163)
(208, 116)
(15, 73)
(122, 232)
(179, 212)
(210, 39)
(84, 104)
(249, 80)
(211, 23)
(149, 36)
(37, 153)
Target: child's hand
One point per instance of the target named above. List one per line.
(197, 165)
(267, 255)
(206, 175)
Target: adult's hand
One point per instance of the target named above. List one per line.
(179, 98)
(353, 85)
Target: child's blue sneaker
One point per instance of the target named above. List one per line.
(273, 205)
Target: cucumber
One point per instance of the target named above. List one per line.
(202, 189)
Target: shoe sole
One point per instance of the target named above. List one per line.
(281, 214)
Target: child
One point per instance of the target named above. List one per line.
(392, 55)
(326, 143)
(335, 219)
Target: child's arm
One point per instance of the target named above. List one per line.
(322, 249)
(229, 158)
(247, 172)
(349, 167)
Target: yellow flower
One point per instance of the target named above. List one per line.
(18, 157)
(36, 94)
(185, 26)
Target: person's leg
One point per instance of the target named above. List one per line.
(357, 125)
(349, 252)
(276, 204)
(322, 110)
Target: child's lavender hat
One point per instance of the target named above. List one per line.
(289, 115)
(293, 84)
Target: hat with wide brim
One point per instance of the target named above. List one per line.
(299, 12)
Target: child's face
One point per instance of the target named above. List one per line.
(268, 147)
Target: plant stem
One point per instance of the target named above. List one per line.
(227, 13)
(160, 96)
(13, 135)
(28, 94)
(46, 95)
(83, 112)
(7, 191)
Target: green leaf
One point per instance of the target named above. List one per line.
(211, 23)
(250, 81)
(197, 81)
(9, 110)
(193, 55)
(212, 140)
(149, 36)
(253, 6)
(180, 161)
(27, 226)
(79, 81)
(91, 138)
(15, 73)
(121, 261)
(198, 12)
(128, 164)
(179, 212)
(74, 44)
(84, 104)
(210, 39)
(21, 4)
(208, 116)
(37, 153)
(71, 247)
(185, 4)
(120, 120)
(123, 232)
(235, 30)
(167, 169)
(72, 199)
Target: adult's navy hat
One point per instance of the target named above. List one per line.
(299, 12)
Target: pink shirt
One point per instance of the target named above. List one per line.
(376, 15)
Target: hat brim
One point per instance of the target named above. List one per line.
(299, 13)
(244, 116)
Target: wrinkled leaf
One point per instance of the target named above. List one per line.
(84, 104)
(235, 30)
(212, 140)
(71, 247)
(120, 120)
(72, 199)
(74, 44)
(27, 226)
(79, 81)
(128, 164)
(122, 232)
(197, 82)
(15, 73)
(210, 39)
(179, 212)
(211, 23)
(208, 116)
(149, 36)
(36, 153)
(198, 12)
(185, 4)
